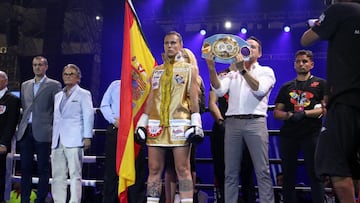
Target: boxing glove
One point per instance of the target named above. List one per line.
(195, 133)
(140, 130)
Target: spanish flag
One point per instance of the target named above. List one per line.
(137, 66)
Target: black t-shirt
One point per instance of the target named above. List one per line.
(202, 99)
(340, 26)
(306, 93)
(223, 101)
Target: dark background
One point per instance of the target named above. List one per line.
(67, 32)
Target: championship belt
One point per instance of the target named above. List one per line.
(225, 47)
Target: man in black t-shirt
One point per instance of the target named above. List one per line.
(299, 105)
(338, 149)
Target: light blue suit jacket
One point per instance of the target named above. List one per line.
(76, 120)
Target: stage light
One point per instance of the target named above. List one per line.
(243, 30)
(227, 25)
(97, 17)
(203, 29)
(286, 28)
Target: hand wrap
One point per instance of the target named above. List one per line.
(297, 116)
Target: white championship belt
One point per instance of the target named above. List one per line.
(225, 47)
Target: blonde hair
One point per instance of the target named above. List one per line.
(189, 56)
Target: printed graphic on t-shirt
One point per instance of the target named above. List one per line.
(299, 97)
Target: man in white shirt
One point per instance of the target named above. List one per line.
(110, 109)
(249, 88)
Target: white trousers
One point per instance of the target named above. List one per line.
(64, 162)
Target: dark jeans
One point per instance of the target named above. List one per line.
(28, 147)
(247, 169)
(136, 193)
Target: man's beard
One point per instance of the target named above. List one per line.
(303, 72)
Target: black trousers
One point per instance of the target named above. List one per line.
(136, 193)
(2, 175)
(290, 147)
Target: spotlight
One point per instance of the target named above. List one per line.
(97, 17)
(203, 28)
(243, 30)
(286, 28)
(227, 25)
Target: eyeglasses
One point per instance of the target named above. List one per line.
(69, 74)
(172, 43)
(303, 61)
(38, 64)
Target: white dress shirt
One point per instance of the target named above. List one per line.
(242, 99)
(110, 103)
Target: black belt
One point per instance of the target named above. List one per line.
(113, 126)
(246, 116)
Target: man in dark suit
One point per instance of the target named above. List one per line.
(9, 115)
(35, 128)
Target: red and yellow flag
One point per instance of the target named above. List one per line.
(137, 66)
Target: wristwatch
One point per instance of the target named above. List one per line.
(243, 72)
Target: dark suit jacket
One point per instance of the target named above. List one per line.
(9, 117)
(42, 107)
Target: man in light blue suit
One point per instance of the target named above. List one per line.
(35, 128)
(72, 133)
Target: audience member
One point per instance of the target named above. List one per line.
(15, 194)
(330, 196)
